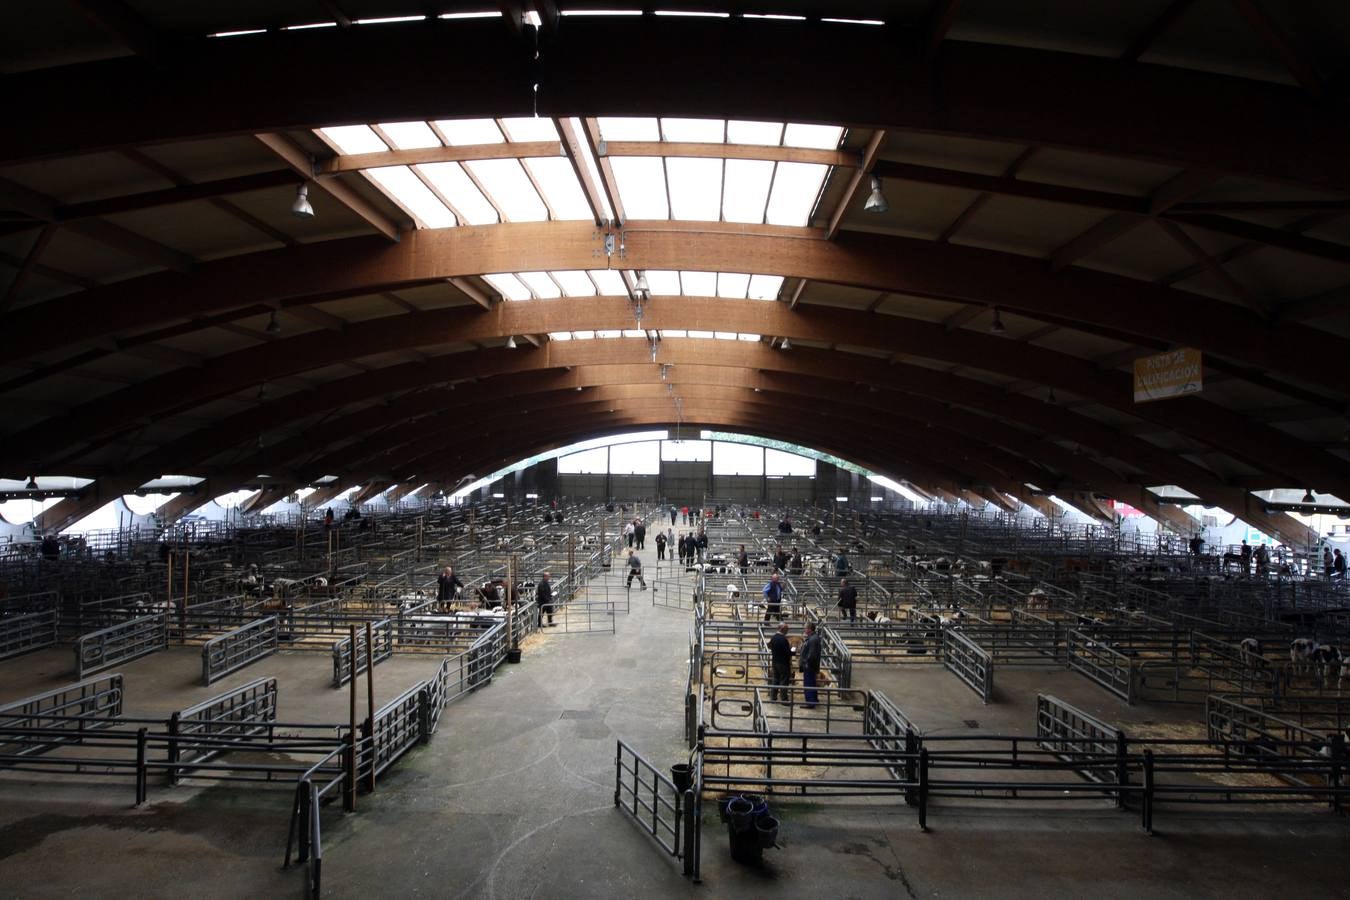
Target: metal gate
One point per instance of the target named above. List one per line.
(121, 643)
(969, 662)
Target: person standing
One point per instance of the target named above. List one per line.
(635, 571)
(795, 564)
(810, 664)
(628, 534)
(672, 515)
(743, 560)
(660, 545)
(446, 585)
(1338, 565)
(841, 564)
(544, 595)
(1326, 561)
(773, 598)
(780, 652)
(780, 559)
(640, 534)
(848, 600)
(685, 510)
(701, 545)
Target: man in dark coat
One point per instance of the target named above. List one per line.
(810, 663)
(543, 594)
(848, 600)
(781, 652)
(446, 583)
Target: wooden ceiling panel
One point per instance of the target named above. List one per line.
(1280, 275)
(950, 152)
(200, 229)
(916, 209)
(820, 293)
(331, 219)
(224, 157)
(360, 309)
(924, 308)
(1144, 252)
(1027, 227)
(1095, 172)
(87, 258)
(91, 176)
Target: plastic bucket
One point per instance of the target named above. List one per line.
(759, 805)
(683, 776)
(740, 813)
(766, 828)
(513, 656)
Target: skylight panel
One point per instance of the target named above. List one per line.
(732, 285)
(701, 335)
(725, 335)
(856, 21)
(308, 26)
(559, 184)
(574, 283)
(540, 284)
(414, 196)
(694, 131)
(387, 20)
(765, 287)
(745, 190)
(780, 16)
(764, 134)
(692, 14)
(351, 139)
(560, 335)
(489, 14)
(695, 188)
(410, 135)
(608, 333)
(629, 129)
(673, 333)
(509, 286)
(600, 12)
(699, 284)
(529, 128)
(584, 335)
(795, 188)
(456, 187)
(460, 132)
(750, 338)
(509, 189)
(642, 186)
(663, 281)
(229, 34)
(634, 332)
(819, 137)
(610, 282)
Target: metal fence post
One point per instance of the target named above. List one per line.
(923, 790)
(690, 832)
(173, 748)
(1148, 792)
(911, 766)
(1122, 769)
(1334, 776)
(424, 716)
(140, 766)
(349, 773)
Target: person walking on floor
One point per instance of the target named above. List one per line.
(635, 571)
(640, 535)
(781, 653)
(660, 545)
(848, 600)
(810, 664)
(773, 598)
(544, 595)
(628, 532)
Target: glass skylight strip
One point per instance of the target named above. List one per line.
(732, 285)
(463, 132)
(609, 281)
(529, 128)
(763, 134)
(629, 128)
(795, 189)
(560, 335)
(701, 335)
(508, 189)
(750, 338)
(725, 335)
(634, 332)
(388, 20)
(694, 131)
(308, 26)
(642, 186)
(695, 188)
(608, 333)
(817, 137)
(745, 192)
(408, 191)
(699, 284)
(663, 282)
(451, 180)
(673, 333)
(508, 285)
(779, 16)
(352, 139)
(562, 191)
(574, 283)
(692, 14)
(489, 14)
(584, 335)
(226, 34)
(600, 12)
(855, 21)
(410, 135)
(765, 287)
(540, 285)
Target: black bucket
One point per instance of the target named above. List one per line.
(741, 814)
(513, 656)
(683, 776)
(766, 827)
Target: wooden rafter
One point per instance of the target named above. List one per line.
(291, 153)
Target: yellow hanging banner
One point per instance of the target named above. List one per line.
(1171, 374)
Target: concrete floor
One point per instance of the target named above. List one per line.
(513, 798)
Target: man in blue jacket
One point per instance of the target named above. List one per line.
(773, 598)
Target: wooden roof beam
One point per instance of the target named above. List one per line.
(855, 182)
(291, 153)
